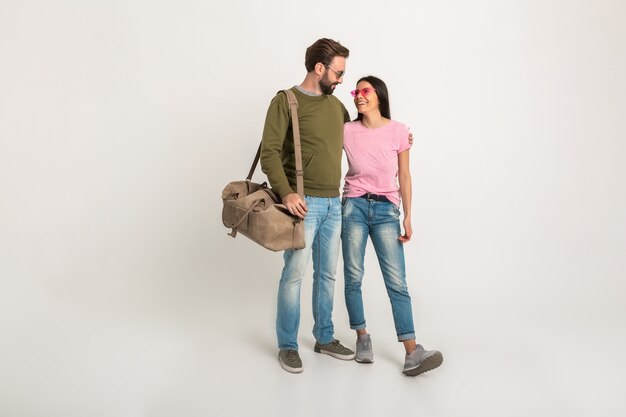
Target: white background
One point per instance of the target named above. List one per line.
(121, 121)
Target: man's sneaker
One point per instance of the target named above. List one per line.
(421, 360)
(290, 361)
(364, 353)
(335, 349)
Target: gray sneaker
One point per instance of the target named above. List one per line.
(290, 361)
(364, 353)
(335, 349)
(421, 360)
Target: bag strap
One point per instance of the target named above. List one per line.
(293, 107)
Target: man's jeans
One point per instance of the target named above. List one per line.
(380, 220)
(322, 225)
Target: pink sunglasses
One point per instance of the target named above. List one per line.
(364, 92)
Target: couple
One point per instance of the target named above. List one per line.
(378, 151)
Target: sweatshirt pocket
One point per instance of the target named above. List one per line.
(307, 159)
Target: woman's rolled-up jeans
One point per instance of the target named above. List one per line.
(379, 220)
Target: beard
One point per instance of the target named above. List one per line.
(326, 86)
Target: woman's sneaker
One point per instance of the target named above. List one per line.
(421, 360)
(364, 352)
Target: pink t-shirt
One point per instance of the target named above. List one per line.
(373, 159)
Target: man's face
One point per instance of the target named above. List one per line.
(333, 75)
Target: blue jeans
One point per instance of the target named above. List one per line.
(379, 220)
(322, 225)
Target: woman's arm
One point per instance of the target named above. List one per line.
(404, 178)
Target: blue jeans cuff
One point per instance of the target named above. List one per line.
(406, 336)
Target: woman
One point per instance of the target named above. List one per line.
(378, 152)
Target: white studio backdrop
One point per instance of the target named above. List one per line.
(121, 121)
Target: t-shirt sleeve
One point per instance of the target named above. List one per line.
(403, 138)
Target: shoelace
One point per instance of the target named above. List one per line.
(337, 344)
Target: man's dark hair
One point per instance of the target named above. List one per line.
(323, 50)
(383, 96)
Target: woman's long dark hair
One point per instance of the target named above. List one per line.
(383, 96)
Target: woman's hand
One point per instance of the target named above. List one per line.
(408, 231)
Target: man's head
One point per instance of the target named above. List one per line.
(326, 59)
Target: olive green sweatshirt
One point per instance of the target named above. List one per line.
(321, 133)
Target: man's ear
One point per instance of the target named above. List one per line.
(319, 68)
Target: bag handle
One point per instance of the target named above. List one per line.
(293, 106)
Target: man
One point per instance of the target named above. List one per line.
(321, 117)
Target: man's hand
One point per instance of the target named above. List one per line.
(410, 139)
(295, 205)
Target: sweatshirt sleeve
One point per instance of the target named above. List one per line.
(346, 115)
(274, 132)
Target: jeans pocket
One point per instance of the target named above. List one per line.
(345, 206)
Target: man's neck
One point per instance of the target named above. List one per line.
(311, 84)
(306, 92)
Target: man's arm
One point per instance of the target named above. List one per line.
(346, 115)
(274, 132)
(276, 126)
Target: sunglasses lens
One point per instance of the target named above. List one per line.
(354, 93)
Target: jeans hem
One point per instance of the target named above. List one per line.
(358, 326)
(332, 339)
(406, 336)
(288, 348)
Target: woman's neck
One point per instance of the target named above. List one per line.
(373, 120)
